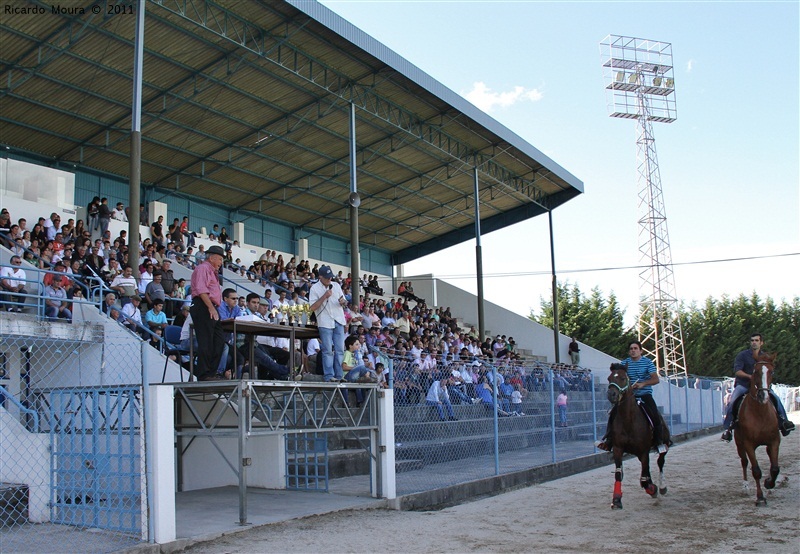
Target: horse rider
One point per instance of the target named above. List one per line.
(743, 367)
(642, 374)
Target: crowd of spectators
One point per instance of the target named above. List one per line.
(434, 359)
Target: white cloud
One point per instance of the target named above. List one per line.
(487, 99)
(689, 65)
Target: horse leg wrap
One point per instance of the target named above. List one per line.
(618, 489)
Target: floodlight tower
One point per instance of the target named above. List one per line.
(640, 85)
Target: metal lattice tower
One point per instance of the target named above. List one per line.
(640, 85)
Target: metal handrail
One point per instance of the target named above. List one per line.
(31, 412)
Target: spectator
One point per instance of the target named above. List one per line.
(144, 216)
(109, 303)
(12, 284)
(183, 313)
(574, 353)
(92, 212)
(145, 277)
(517, 397)
(157, 231)
(561, 404)
(155, 318)
(125, 284)
(155, 290)
(189, 235)
(104, 216)
(131, 317)
(438, 396)
(355, 367)
(119, 212)
(56, 305)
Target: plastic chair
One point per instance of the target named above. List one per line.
(172, 340)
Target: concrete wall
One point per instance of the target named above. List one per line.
(205, 467)
(25, 459)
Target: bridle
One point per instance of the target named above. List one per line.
(621, 389)
(759, 388)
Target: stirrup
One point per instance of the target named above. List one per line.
(726, 435)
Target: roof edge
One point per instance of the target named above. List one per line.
(334, 22)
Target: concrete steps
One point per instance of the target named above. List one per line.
(13, 504)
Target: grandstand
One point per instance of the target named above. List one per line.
(100, 429)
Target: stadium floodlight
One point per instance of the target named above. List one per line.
(649, 64)
(642, 97)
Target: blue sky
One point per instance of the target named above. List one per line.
(729, 165)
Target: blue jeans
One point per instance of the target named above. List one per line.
(356, 373)
(562, 414)
(54, 313)
(440, 410)
(740, 391)
(332, 350)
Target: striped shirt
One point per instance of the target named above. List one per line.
(640, 370)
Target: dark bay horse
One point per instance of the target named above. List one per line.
(631, 433)
(757, 425)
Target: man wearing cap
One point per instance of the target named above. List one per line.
(131, 316)
(206, 298)
(327, 300)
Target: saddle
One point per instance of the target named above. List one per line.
(646, 413)
(738, 404)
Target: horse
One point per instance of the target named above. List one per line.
(757, 425)
(631, 433)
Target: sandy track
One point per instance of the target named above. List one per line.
(705, 510)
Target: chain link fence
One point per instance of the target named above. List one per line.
(500, 419)
(72, 464)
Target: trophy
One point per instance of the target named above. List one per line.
(294, 314)
(273, 313)
(284, 312)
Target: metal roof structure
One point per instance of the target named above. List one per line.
(246, 105)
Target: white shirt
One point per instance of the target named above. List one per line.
(330, 312)
(313, 347)
(119, 215)
(132, 312)
(437, 393)
(13, 274)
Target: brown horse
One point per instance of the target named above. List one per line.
(757, 425)
(631, 433)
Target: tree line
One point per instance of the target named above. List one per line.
(713, 333)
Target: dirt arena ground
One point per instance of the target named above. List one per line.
(705, 510)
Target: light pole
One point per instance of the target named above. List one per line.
(640, 85)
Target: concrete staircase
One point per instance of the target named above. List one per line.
(13, 504)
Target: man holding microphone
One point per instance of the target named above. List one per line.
(327, 300)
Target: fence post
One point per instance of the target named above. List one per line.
(552, 417)
(594, 409)
(686, 395)
(496, 426)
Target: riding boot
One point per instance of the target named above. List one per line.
(785, 425)
(605, 442)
